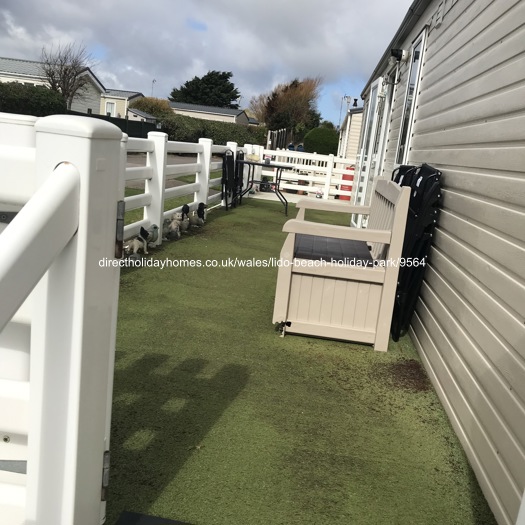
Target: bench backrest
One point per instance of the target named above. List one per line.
(385, 215)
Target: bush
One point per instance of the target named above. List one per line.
(158, 107)
(38, 101)
(321, 140)
(181, 128)
(222, 132)
(189, 129)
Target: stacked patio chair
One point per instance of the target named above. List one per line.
(423, 211)
(232, 179)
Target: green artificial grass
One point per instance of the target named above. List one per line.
(219, 420)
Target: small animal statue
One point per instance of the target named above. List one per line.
(201, 211)
(174, 233)
(151, 234)
(166, 229)
(142, 240)
(196, 221)
(138, 243)
(185, 224)
(133, 246)
(176, 225)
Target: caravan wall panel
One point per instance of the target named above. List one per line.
(469, 325)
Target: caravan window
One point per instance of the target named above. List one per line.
(110, 109)
(416, 57)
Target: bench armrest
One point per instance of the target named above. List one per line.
(337, 232)
(326, 205)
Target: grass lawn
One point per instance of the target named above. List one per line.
(218, 420)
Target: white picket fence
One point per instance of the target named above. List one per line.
(62, 178)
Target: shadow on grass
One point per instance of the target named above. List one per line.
(160, 418)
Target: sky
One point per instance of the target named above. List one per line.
(156, 46)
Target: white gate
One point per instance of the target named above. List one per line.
(57, 316)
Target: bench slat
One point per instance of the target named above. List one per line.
(338, 232)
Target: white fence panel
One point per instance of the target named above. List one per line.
(312, 173)
(157, 172)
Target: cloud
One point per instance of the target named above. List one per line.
(261, 42)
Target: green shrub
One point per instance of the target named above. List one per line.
(189, 129)
(183, 129)
(30, 100)
(158, 107)
(321, 140)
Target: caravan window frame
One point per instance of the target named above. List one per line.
(111, 108)
(409, 104)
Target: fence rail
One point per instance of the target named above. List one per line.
(53, 207)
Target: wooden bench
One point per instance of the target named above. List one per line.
(339, 282)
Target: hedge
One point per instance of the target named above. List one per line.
(39, 101)
(189, 129)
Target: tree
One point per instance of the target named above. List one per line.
(64, 70)
(327, 124)
(292, 106)
(213, 89)
(258, 107)
(158, 107)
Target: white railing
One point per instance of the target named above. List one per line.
(157, 172)
(312, 174)
(325, 175)
(58, 311)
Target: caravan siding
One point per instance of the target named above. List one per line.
(353, 136)
(350, 134)
(90, 99)
(469, 328)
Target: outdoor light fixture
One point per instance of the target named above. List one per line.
(400, 55)
(354, 105)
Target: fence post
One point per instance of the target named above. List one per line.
(233, 147)
(203, 177)
(73, 331)
(259, 150)
(256, 151)
(157, 159)
(123, 163)
(329, 173)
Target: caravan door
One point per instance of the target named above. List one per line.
(367, 164)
